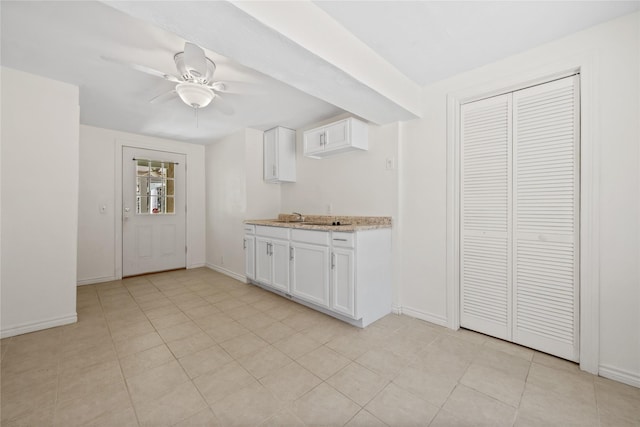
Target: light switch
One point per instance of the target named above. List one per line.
(389, 163)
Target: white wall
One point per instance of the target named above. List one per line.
(40, 119)
(99, 244)
(612, 51)
(353, 183)
(235, 192)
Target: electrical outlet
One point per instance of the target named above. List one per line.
(329, 208)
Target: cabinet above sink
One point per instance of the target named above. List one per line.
(335, 138)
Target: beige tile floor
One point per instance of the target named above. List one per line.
(196, 348)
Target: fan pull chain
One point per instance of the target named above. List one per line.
(196, 117)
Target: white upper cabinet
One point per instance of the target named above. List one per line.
(334, 138)
(280, 155)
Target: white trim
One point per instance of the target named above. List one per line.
(585, 64)
(620, 375)
(423, 315)
(39, 325)
(396, 309)
(397, 228)
(229, 273)
(190, 267)
(95, 280)
(453, 213)
(589, 218)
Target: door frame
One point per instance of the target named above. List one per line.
(589, 287)
(118, 193)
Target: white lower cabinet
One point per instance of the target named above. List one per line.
(309, 275)
(344, 274)
(272, 258)
(343, 281)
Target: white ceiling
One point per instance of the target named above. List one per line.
(432, 40)
(276, 74)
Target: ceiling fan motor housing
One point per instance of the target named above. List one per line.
(192, 74)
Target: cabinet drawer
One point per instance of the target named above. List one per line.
(314, 237)
(345, 240)
(249, 229)
(275, 232)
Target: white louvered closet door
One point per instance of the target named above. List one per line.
(519, 217)
(545, 217)
(485, 261)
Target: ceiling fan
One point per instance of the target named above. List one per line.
(195, 85)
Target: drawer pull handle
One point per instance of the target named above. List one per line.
(341, 240)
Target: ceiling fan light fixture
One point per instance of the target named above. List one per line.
(195, 95)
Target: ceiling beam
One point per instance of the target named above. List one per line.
(296, 43)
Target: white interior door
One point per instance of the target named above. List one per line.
(519, 243)
(485, 261)
(153, 217)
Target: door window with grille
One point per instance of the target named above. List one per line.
(155, 187)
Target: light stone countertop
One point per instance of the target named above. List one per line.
(324, 222)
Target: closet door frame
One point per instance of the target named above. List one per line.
(589, 196)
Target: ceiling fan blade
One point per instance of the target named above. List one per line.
(222, 105)
(143, 69)
(194, 60)
(163, 97)
(218, 86)
(236, 88)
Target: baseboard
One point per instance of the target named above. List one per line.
(396, 309)
(229, 273)
(200, 265)
(95, 280)
(38, 326)
(422, 315)
(620, 375)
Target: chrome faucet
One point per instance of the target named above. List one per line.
(300, 217)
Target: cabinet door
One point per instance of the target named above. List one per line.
(310, 273)
(314, 141)
(270, 155)
(343, 281)
(264, 265)
(250, 257)
(280, 260)
(337, 135)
